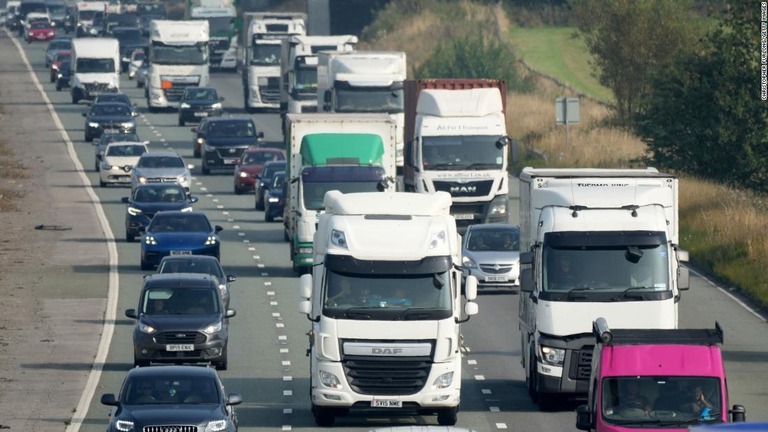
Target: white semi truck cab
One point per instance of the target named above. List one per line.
(363, 82)
(385, 302)
(594, 243)
(223, 35)
(261, 72)
(178, 58)
(95, 67)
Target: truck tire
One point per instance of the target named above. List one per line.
(447, 416)
(324, 417)
(532, 377)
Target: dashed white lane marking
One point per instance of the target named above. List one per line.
(273, 303)
(235, 226)
(286, 427)
(283, 350)
(501, 425)
(472, 362)
(265, 274)
(215, 200)
(276, 314)
(286, 362)
(267, 283)
(225, 213)
(246, 241)
(251, 248)
(287, 378)
(205, 189)
(479, 377)
(219, 206)
(282, 337)
(260, 265)
(279, 325)
(257, 257)
(163, 140)
(270, 293)
(230, 220)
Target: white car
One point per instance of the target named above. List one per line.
(138, 57)
(118, 162)
(161, 167)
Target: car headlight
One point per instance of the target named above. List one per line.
(93, 124)
(128, 124)
(468, 262)
(185, 105)
(148, 329)
(213, 328)
(93, 31)
(133, 211)
(187, 209)
(273, 199)
(200, 140)
(142, 180)
(216, 426)
(443, 381)
(211, 240)
(552, 356)
(150, 239)
(59, 75)
(217, 105)
(208, 148)
(243, 174)
(329, 380)
(124, 425)
(183, 178)
(54, 67)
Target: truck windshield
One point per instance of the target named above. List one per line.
(265, 55)
(127, 35)
(90, 65)
(221, 26)
(468, 152)
(393, 297)
(369, 99)
(306, 80)
(593, 269)
(648, 401)
(86, 14)
(314, 192)
(179, 54)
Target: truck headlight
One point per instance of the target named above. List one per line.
(443, 381)
(213, 328)
(339, 239)
(498, 206)
(552, 356)
(329, 380)
(437, 240)
(468, 262)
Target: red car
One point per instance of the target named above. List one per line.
(250, 165)
(56, 63)
(40, 31)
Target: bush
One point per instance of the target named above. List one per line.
(475, 57)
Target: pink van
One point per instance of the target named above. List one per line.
(665, 380)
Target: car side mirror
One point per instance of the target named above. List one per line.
(190, 166)
(134, 114)
(218, 228)
(193, 199)
(230, 313)
(125, 199)
(260, 135)
(234, 399)
(131, 313)
(222, 99)
(231, 278)
(194, 129)
(84, 114)
(109, 399)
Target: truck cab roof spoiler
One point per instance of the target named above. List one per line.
(605, 335)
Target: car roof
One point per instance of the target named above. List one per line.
(110, 103)
(200, 88)
(126, 143)
(494, 226)
(165, 370)
(277, 162)
(229, 119)
(265, 150)
(189, 258)
(180, 280)
(160, 153)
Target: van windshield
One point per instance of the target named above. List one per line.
(90, 65)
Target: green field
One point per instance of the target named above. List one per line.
(553, 50)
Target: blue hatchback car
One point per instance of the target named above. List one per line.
(274, 202)
(178, 233)
(148, 199)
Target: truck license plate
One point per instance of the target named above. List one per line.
(180, 347)
(463, 216)
(495, 278)
(386, 403)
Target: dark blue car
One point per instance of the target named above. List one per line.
(274, 200)
(178, 233)
(149, 199)
(224, 141)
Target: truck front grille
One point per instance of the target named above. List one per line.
(387, 375)
(480, 188)
(581, 364)
(271, 92)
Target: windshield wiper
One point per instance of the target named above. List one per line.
(578, 290)
(412, 314)
(444, 167)
(627, 293)
(479, 166)
(359, 312)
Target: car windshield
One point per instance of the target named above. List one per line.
(179, 54)
(261, 157)
(166, 194)
(111, 97)
(180, 301)
(201, 94)
(493, 240)
(86, 14)
(60, 45)
(233, 129)
(40, 25)
(271, 169)
(187, 265)
(161, 162)
(95, 65)
(61, 55)
(171, 390)
(126, 150)
(180, 223)
(111, 109)
(114, 137)
(277, 181)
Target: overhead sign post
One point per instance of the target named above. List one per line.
(566, 113)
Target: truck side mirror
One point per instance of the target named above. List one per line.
(470, 309)
(502, 142)
(583, 418)
(683, 279)
(527, 283)
(327, 97)
(470, 288)
(738, 414)
(305, 307)
(305, 286)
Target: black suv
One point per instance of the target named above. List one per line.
(148, 199)
(225, 139)
(180, 319)
(172, 398)
(198, 103)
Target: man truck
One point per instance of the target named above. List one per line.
(261, 72)
(95, 68)
(385, 302)
(456, 141)
(178, 58)
(594, 243)
(656, 379)
(363, 82)
(346, 152)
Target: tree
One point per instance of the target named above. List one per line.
(628, 39)
(704, 115)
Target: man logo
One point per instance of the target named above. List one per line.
(386, 351)
(463, 189)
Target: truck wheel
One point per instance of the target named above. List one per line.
(447, 416)
(75, 99)
(532, 378)
(323, 416)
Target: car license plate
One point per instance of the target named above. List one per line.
(201, 114)
(180, 347)
(111, 131)
(463, 216)
(230, 161)
(386, 403)
(181, 252)
(495, 278)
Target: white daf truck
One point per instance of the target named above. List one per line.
(594, 243)
(346, 152)
(385, 302)
(95, 68)
(456, 141)
(298, 64)
(221, 15)
(261, 71)
(178, 58)
(363, 82)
